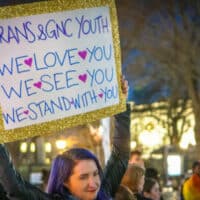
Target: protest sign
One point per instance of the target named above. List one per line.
(59, 67)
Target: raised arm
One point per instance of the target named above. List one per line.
(117, 164)
(14, 185)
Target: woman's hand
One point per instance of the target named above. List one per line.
(124, 85)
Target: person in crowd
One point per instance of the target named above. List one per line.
(196, 167)
(75, 174)
(191, 187)
(151, 190)
(151, 172)
(133, 179)
(136, 158)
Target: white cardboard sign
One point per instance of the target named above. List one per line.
(56, 65)
(60, 66)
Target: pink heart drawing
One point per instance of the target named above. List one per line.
(38, 84)
(83, 77)
(82, 54)
(100, 95)
(26, 112)
(28, 62)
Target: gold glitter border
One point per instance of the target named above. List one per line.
(60, 124)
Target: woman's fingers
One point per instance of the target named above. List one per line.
(124, 85)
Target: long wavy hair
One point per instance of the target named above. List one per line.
(63, 165)
(132, 177)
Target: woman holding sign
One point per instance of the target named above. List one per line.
(75, 174)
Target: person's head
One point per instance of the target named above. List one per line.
(196, 167)
(151, 189)
(136, 158)
(134, 178)
(151, 172)
(78, 171)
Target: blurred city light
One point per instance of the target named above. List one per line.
(151, 138)
(157, 156)
(133, 144)
(187, 139)
(32, 147)
(48, 147)
(47, 161)
(23, 147)
(100, 131)
(61, 144)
